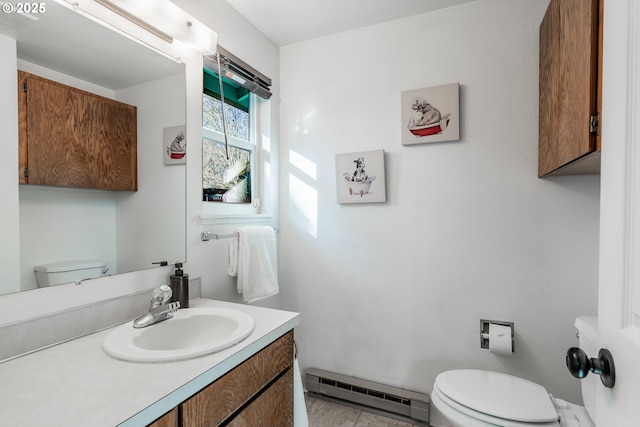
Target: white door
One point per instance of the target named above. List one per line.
(619, 293)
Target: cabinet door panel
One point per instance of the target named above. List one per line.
(170, 419)
(221, 399)
(568, 82)
(22, 129)
(549, 76)
(274, 407)
(578, 45)
(78, 139)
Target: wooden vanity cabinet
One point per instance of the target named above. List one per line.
(570, 88)
(170, 419)
(258, 392)
(72, 138)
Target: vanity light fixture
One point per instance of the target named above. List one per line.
(164, 36)
(166, 19)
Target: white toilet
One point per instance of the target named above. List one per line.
(475, 398)
(57, 273)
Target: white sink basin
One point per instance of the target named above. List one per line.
(192, 332)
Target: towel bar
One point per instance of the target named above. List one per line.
(207, 235)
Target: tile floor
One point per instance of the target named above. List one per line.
(329, 414)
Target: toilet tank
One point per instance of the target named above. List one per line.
(57, 273)
(587, 340)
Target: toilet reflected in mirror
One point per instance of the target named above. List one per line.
(57, 273)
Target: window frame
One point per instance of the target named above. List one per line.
(221, 208)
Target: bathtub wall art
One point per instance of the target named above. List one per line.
(360, 177)
(175, 145)
(430, 114)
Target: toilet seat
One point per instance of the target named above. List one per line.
(496, 398)
(470, 418)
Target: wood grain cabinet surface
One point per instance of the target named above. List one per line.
(170, 419)
(258, 392)
(72, 138)
(570, 87)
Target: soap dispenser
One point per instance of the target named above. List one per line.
(179, 283)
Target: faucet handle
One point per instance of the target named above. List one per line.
(161, 295)
(164, 292)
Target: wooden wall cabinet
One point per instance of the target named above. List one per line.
(570, 88)
(72, 138)
(258, 392)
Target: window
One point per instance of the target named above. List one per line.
(226, 171)
(229, 159)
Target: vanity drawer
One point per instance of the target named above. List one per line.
(170, 419)
(226, 396)
(268, 408)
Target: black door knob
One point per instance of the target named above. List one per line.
(580, 365)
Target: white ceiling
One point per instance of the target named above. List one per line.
(66, 42)
(291, 21)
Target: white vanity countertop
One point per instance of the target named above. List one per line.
(77, 384)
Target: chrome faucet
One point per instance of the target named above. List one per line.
(159, 310)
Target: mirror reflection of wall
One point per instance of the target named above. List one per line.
(126, 230)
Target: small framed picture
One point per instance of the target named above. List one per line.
(430, 114)
(175, 145)
(360, 177)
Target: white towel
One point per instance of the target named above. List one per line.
(300, 416)
(257, 264)
(233, 257)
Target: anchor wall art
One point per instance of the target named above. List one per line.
(360, 177)
(430, 114)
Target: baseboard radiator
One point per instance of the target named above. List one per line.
(380, 398)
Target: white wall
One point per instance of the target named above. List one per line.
(209, 260)
(158, 235)
(47, 214)
(66, 79)
(10, 247)
(394, 292)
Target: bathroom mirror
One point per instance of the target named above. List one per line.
(128, 231)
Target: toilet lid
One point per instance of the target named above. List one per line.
(499, 395)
